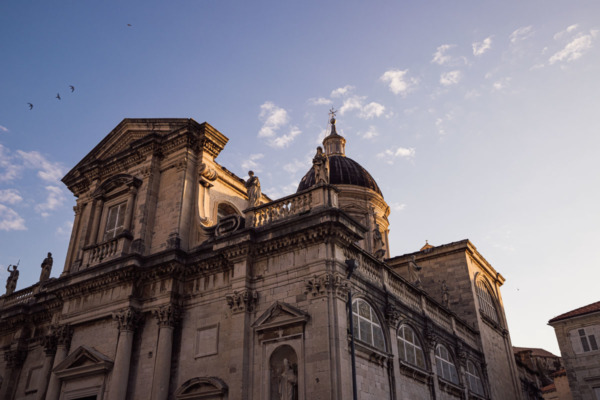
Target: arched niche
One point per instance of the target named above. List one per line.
(202, 388)
(283, 367)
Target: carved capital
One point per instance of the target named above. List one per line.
(431, 337)
(244, 300)
(128, 319)
(392, 315)
(49, 342)
(77, 209)
(63, 334)
(319, 285)
(167, 316)
(461, 354)
(15, 357)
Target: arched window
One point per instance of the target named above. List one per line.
(486, 301)
(444, 365)
(366, 325)
(409, 347)
(473, 379)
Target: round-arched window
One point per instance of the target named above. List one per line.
(486, 301)
(444, 365)
(409, 347)
(473, 379)
(367, 328)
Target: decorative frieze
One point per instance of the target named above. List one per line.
(244, 300)
(128, 319)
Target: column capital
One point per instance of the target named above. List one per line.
(15, 357)
(167, 315)
(127, 319)
(63, 334)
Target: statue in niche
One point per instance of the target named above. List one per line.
(444, 294)
(413, 272)
(11, 282)
(321, 167)
(253, 187)
(46, 268)
(378, 245)
(288, 382)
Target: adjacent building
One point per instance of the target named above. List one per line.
(183, 281)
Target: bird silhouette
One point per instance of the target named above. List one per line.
(30, 106)
(58, 96)
(128, 24)
(72, 88)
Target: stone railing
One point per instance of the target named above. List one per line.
(106, 250)
(298, 203)
(23, 296)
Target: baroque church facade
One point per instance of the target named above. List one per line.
(183, 281)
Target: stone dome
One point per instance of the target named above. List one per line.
(342, 171)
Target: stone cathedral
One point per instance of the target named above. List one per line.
(184, 281)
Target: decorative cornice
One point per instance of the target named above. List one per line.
(97, 283)
(243, 300)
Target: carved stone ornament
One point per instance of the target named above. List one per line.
(15, 357)
(207, 173)
(128, 319)
(378, 359)
(63, 334)
(49, 342)
(431, 337)
(167, 316)
(244, 300)
(392, 315)
(461, 354)
(318, 285)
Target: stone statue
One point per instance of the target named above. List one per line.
(46, 268)
(413, 271)
(444, 294)
(321, 167)
(378, 245)
(11, 282)
(287, 382)
(253, 187)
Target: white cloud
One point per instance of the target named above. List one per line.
(343, 91)
(501, 84)
(574, 49)
(10, 220)
(450, 78)
(372, 110)
(285, 140)
(273, 117)
(370, 133)
(398, 206)
(400, 152)
(47, 171)
(321, 101)
(294, 166)
(55, 199)
(10, 196)
(65, 229)
(522, 33)
(440, 57)
(251, 163)
(569, 29)
(399, 82)
(281, 191)
(481, 47)
(352, 103)
(3, 128)
(9, 169)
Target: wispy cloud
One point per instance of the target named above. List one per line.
(521, 33)
(576, 48)
(47, 171)
(320, 101)
(10, 220)
(440, 57)
(9, 168)
(351, 103)
(501, 84)
(10, 196)
(450, 78)
(55, 198)
(251, 163)
(275, 118)
(295, 166)
(561, 34)
(480, 48)
(65, 229)
(390, 155)
(398, 81)
(370, 133)
(343, 91)
(3, 129)
(398, 206)
(372, 110)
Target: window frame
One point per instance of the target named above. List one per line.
(416, 347)
(441, 362)
(120, 204)
(373, 321)
(474, 375)
(488, 305)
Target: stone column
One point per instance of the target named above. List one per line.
(98, 206)
(50, 343)
(73, 245)
(63, 340)
(167, 317)
(130, 207)
(431, 340)
(14, 361)
(127, 321)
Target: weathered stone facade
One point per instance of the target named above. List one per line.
(173, 288)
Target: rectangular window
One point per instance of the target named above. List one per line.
(115, 220)
(593, 343)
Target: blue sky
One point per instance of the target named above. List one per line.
(478, 119)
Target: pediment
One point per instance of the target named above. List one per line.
(82, 362)
(201, 388)
(280, 314)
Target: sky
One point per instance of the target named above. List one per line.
(478, 119)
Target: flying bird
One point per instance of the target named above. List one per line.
(58, 96)
(30, 106)
(128, 24)
(72, 88)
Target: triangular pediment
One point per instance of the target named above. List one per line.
(83, 361)
(280, 314)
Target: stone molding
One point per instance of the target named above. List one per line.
(244, 300)
(327, 283)
(127, 319)
(393, 316)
